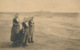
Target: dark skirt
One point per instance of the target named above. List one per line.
(23, 36)
(14, 32)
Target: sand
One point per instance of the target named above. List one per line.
(56, 33)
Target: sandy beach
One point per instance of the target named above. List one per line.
(55, 33)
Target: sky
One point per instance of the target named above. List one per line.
(39, 5)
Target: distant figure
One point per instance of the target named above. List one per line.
(15, 30)
(31, 30)
(25, 31)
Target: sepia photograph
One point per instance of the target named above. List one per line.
(39, 24)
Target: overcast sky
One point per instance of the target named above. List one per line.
(39, 5)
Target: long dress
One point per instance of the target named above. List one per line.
(23, 35)
(31, 30)
(15, 30)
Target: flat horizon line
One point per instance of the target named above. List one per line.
(40, 11)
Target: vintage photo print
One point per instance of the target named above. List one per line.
(39, 24)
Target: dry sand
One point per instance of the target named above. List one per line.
(56, 33)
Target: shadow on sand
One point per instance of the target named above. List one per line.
(6, 45)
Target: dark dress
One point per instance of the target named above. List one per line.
(15, 30)
(24, 33)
